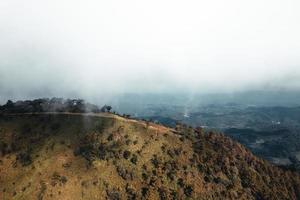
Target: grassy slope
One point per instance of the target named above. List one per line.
(69, 156)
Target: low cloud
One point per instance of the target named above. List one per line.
(103, 48)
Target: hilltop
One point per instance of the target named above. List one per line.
(50, 105)
(105, 156)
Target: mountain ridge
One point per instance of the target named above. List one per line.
(105, 156)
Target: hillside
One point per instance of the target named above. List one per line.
(104, 156)
(270, 132)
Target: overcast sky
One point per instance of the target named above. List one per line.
(89, 48)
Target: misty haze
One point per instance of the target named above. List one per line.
(149, 100)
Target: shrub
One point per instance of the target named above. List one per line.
(171, 175)
(131, 194)
(124, 173)
(67, 165)
(24, 158)
(177, 151)
(113, 194)
(3, 148)
(110, 137)
(188, 191)
(42, 190)
(162, 194)
(145, 176)
(102, 152)
(155, 161)
(128, 141)
(171, 153)
(134, 159)
(180, 182)
(126, 154)
(174, 195)
(56, 178)
(144, 191)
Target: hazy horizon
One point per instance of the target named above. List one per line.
(93, 49)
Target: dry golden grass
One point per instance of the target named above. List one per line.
(104, 156)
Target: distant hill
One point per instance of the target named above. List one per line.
(49, 105)
(104, 156)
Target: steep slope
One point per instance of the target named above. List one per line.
(104, 156)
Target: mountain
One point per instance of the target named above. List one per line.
(270, 132)
(104, 156)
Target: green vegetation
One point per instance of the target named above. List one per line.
(51, 105)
